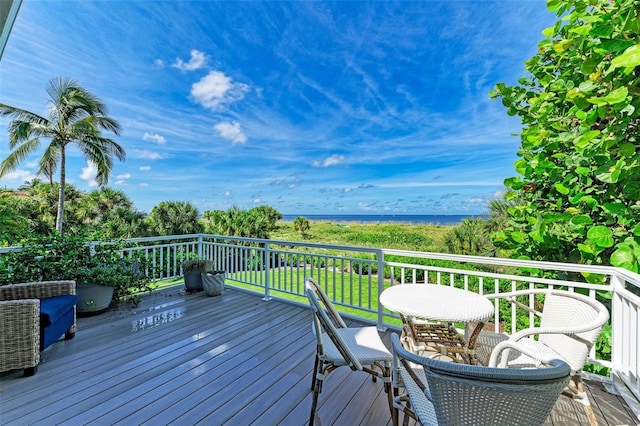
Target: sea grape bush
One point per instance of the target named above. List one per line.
(579, 165)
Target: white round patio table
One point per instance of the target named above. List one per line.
(436, 302)
(439, 303)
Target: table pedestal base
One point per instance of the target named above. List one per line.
(440, 340)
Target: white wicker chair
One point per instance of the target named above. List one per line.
(360, 348)
(570, 323)
(435, 392)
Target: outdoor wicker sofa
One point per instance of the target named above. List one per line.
(32, 317)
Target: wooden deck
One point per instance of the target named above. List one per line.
(189, 359)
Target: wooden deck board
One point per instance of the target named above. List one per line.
(189, 359)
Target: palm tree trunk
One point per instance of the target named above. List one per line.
(61, 192)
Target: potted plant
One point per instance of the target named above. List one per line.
(107, 279)
(114, 278)
(193, 270)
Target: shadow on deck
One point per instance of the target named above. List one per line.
(188, 359)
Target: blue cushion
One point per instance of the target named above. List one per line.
(52, 308)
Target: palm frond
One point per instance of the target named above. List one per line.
(20, 114)
(16, 156)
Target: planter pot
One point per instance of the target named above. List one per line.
(193, 281)
(213, 283)
(93, 299)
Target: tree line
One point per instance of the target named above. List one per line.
(108, 214)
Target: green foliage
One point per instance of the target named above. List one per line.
(271, 215)
(579, 166)
(196, 265)
(175, 218)
(302, 225)
(470, 237)
(73, 258)
(76, 117)
(236, 222)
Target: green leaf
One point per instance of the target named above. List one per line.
(576, 198)
(636, 230)
(627, 149)
(561, 188)
(615, 97)
(632, 190)
(584, 171)
(582, 219)
(624, 258)
(586, 249)
(582, 30)
(610, 173)
(548, 32)
(587, 86)
(614, 208)
(562, 45)
(585, 139)
(601, 236)
(521, 167)
(630, 58)
(519, 236)
(615, 45)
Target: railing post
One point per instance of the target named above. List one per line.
(200, 246)
(267, 270)
(380, 324)
(617, 327)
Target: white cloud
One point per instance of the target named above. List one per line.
(216, 89)
(475, 200)
(19, 176)
(334, 160)
(144, 168)
(161, 140)
(197, 61)
(231, 131)
(364, 206)
(121, 183)
(257, 200)
(147, 155)
(144, 185)
(159, 63)
(124, 176)
(227, 193)
(89, 174)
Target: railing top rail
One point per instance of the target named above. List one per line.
(571, 267)
(295, 243)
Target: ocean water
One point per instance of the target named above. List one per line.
(414, 219)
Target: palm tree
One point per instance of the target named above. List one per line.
(75, 116)
(175, 218)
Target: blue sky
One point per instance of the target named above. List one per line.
(308, 107)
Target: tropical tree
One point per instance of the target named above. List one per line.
(175, 218)
(124, 222)
(470, 237)
(301, 224)
(270, 214)
(579, 166)
(254, 223)
(102, 201)
(75, 117)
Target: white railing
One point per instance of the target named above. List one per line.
(354, 277)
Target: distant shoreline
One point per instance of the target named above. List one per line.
(371, 219)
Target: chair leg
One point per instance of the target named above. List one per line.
(30, 371)
(314, 404)
(578, 394)
(315, 372)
